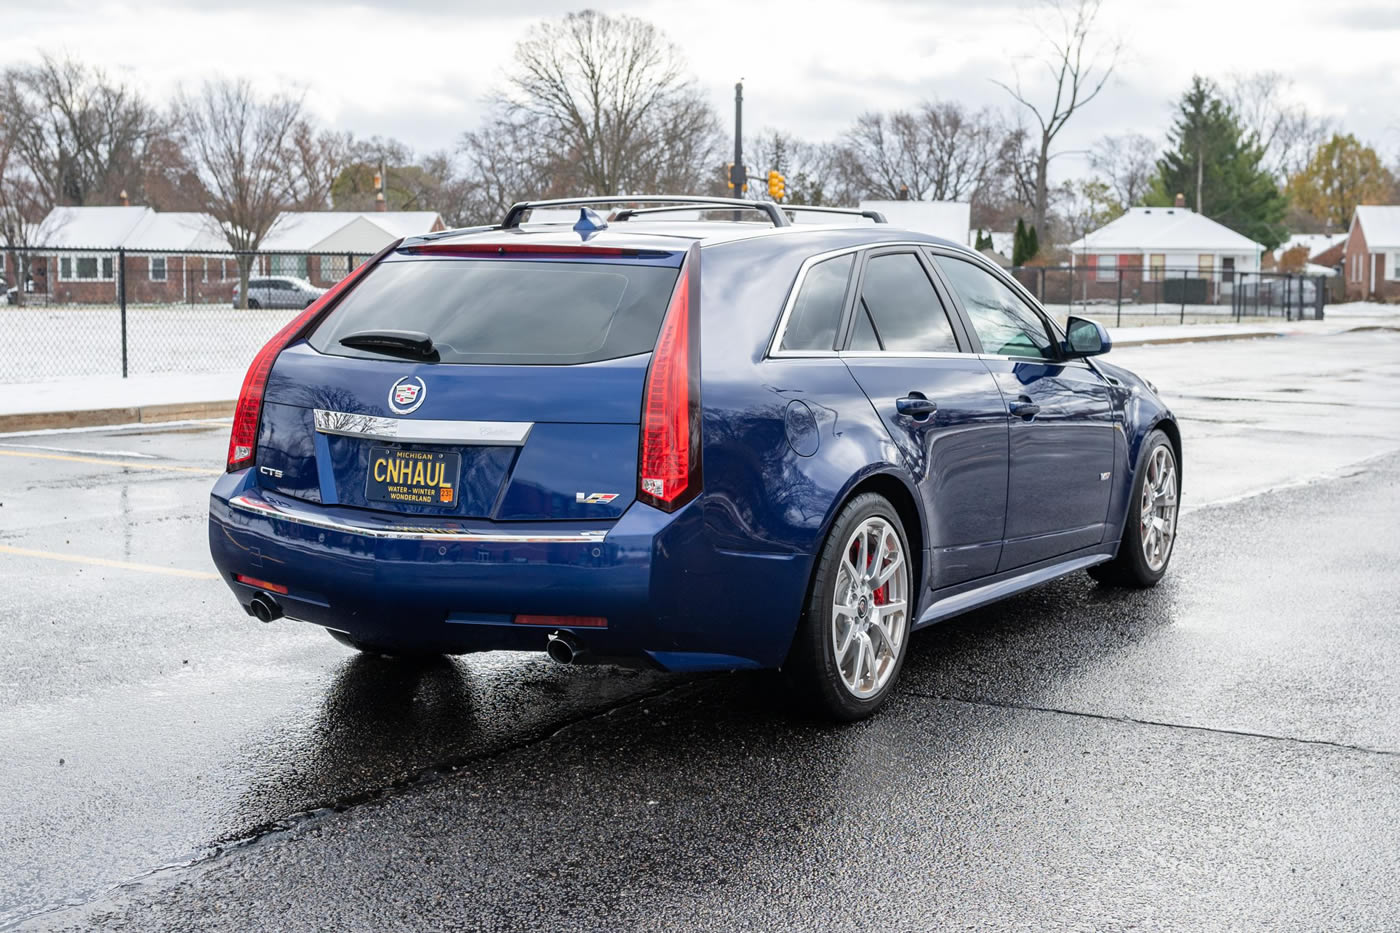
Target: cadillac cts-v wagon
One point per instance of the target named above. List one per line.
(696, 442)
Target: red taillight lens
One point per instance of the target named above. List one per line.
(243, 439)
(668, 471)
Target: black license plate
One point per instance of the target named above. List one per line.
(413, 477)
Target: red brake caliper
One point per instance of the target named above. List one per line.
(880, 596)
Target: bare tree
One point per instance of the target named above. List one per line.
(244, 148)
(609, 100)
(1077, 70)
(1287, 132)
(81, 137)
(505, 162)
(22, 210)
(1126, 164)
(940, 152)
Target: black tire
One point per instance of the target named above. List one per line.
(368, 648)
(1130, 567)
(253, 304)
(812, 668)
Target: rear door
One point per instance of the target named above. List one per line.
(1061, 415)
(527, 408)
(941, 406)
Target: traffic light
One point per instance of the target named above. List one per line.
(738, 177)
(777, 186)
(729, 173)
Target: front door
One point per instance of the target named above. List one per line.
(941, 406)
(1061, 417)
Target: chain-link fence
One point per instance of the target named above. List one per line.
(1127, 295)
(82, 312)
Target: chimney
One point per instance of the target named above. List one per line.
(1180, 199)
(379, 201)
(126, 202)
(904, 192)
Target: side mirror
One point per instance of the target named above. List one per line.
(1084, 337)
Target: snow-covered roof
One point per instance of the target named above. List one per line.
(1163, 229)
(1314, 242)
(1381, 224)
(948, 219)
(102, 227)
(177, 231)
(309, 231)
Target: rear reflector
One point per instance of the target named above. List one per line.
(668, 470)
(260, 584)
(563, 621)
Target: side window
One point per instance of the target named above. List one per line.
(1005, 324)
(817, 312)
(899, 310)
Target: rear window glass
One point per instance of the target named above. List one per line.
(817, 310)
(507, 311)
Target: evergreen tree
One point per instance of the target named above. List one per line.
(1217, 167)
(984, 241)
(1020, 246)
(1032, 243)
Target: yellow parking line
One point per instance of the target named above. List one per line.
(105, 562)
(132, 464)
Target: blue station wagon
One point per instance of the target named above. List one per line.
(668, 435)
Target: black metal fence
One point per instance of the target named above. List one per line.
(69, 312)
(1176, 295)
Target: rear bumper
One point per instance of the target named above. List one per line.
(668, 597)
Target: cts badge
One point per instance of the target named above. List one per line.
(595, 498)
(406, 395)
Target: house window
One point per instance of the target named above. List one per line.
(1227, 267)
(157, 268)
(85, 268)
(1206, 264)
(1156, 267)
(288, 265)
(1394, 267)
(1107, 269)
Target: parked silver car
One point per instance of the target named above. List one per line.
(279, 291)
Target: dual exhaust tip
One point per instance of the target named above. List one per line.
(561, 647)
(264, 608)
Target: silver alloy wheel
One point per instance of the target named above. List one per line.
(1158, 514)
(870, 608)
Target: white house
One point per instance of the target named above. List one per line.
(357, 234)
(947, 219)
(1165, 242)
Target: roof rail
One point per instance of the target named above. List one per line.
(876, 216)
(628, 213)
(775, 215)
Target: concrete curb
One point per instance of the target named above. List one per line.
(1204, 338)
(103, 417)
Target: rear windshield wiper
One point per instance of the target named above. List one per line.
(409, 343)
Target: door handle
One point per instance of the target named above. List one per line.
(1024, 408)
(915, 406)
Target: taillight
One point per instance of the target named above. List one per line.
(243, 440)
(668, 471)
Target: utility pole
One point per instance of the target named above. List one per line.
(737, 176)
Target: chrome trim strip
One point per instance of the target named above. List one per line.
(423, 431)
(245, 503)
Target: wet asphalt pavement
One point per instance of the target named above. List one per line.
(1220, 752)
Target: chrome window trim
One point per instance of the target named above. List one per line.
(775, 350)
(421, 430)
(775, 345)
(261, 507)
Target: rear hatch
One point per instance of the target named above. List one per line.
(487, 386)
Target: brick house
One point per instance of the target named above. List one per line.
(184, 258)
(1148, 246)
(1371, 261)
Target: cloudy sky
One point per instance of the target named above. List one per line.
(419, 69)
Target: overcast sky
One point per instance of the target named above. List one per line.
(419, 69)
